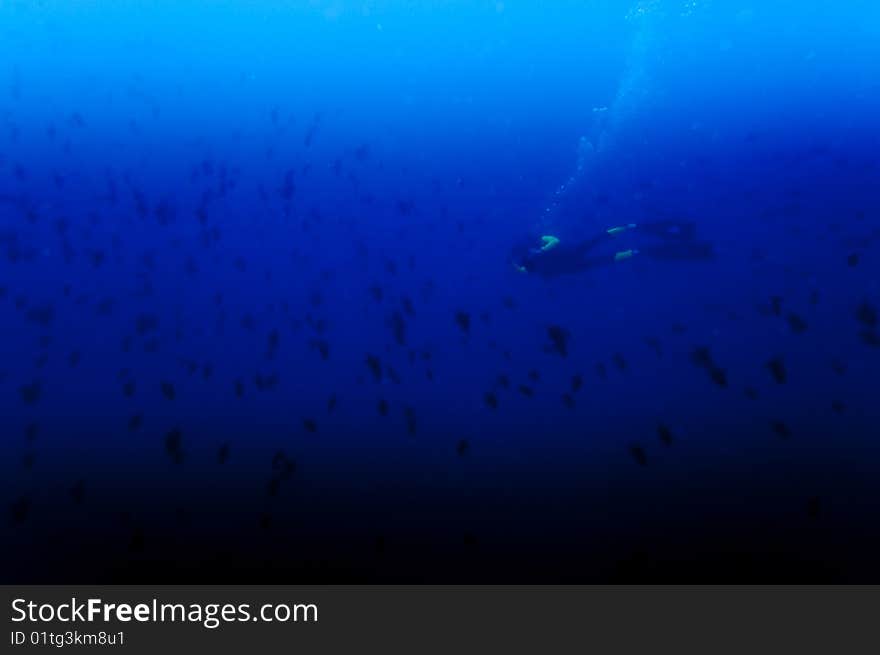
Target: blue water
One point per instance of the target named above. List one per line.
(212, 214)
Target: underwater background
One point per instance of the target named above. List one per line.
(260, 322)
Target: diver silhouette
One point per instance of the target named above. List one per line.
(660, 240)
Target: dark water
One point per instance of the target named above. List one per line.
(260, 321)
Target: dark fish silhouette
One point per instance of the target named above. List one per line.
(776, 305)
(409, 415)
(781, 429)
(777, 369)
(702, 358)
(559, 337)
(654, 344)
(398, 327)
(42, 315)
(375, 366)
(146, 323)
(322, 346)
(19, 510)
(266, 382)
(31, 430)
(797, 324)
(664, 434)
(638, 454)
(174, 445)
(870, 338)
(866, 314)
(31, 393)
(273, 340)
(78, 492)
(168, 390)
(135, 422)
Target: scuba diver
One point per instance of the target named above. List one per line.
(665, 240)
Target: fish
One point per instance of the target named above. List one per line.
(174, 445)
(19, 510)
(654, 344)
(776, 366)
(168, 390)
(375, 366)
(31, 430)
(409, 414)
(398, 327)
(638, 454)
(781, 429)
(31, 393)
(866, 314)
(797, 324)
(78, 492)
(559, 338)
(135, 422)
(702, 358)
(665, 434)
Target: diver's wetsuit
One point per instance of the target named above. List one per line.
(673, 240)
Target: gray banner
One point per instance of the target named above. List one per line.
(452, 619)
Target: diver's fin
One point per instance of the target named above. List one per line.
(548, 241)
(620, 228)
